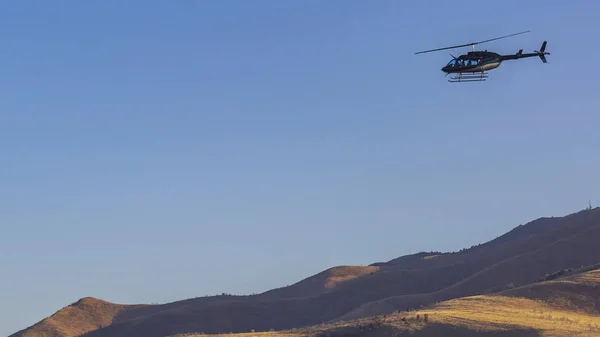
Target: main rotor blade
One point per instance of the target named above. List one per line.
(472, 44)
(502, 37)
(428, 51)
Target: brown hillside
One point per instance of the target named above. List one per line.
(521, 256)
(284, 314)
(580, 249)
(311, 286)
(563, 307)
(238, 316)
(89, 314)
(83, 316)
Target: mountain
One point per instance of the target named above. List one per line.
(516, 260)
(566, 306)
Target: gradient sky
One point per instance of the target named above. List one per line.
(159, 150)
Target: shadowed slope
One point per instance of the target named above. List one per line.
(575, 245)
(239, 316)
(314, 285)
(556, 308)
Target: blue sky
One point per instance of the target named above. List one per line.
(159, 150)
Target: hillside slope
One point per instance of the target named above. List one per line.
(89, 314)
(519, 257)
(567, 252)
(85, 315)
(564, 307)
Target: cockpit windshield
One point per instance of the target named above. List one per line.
(455, 63)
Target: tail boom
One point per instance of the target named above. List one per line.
(541, 54)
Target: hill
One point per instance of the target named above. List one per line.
(565, 307)
(83, 316)
(514, 260)
(89, 314)
(573, 245)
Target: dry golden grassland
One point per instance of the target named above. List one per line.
(505, 313)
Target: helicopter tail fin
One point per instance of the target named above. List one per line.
(542, 52)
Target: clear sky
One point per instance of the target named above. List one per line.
(153, 151)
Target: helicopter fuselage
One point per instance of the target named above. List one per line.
(482, 61)
(474, 61)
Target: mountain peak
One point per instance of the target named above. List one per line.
(90, 301)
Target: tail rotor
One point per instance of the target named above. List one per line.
(542, 52)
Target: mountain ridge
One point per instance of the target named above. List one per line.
(565, 306)
(353, 292)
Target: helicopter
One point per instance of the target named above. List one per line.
(473, 66)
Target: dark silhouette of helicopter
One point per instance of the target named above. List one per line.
(473, 65)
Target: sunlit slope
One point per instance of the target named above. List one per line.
(85, 315)
(320, 283)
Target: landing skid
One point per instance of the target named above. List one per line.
(469, 77)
